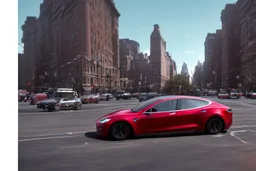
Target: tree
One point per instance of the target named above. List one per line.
(178, 85)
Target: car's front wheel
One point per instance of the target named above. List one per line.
(57, 107)
(78, 107)
(214, 125)
(120, 131)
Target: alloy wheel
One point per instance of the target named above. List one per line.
(120, 131)
(215, 125)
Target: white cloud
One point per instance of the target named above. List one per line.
(147, 51)
(189, 52)
(187, 35)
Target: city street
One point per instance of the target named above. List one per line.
(66, 141)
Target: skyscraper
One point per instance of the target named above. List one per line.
(184, 69)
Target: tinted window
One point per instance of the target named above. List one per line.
(69, 96)
(144, 104)
(165, 106)
(192, 103)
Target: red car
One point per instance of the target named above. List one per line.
(166, 114)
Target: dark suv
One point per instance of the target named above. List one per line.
(124, 96)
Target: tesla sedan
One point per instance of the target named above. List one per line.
(166, 114)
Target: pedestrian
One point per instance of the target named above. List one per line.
(107, 98)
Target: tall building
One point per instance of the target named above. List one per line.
(209, 66)
(197, 80)
(216, 61)
(159, 60)
(184, 69)
(45, 60)
(231, 55)
(174, 67)
(248, 44)
(30, 40)
(22, 84)
(129, 50)
(86, 44)
(141, 77)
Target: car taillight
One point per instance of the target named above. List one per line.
(229, 110)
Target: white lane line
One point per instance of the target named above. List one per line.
(218, 136)
(243, 126)
(56, 134)
(232, 133)
(245, 104)
(45, 138)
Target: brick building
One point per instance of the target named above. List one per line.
(159, 61)
(86, 43)
(248, 44)
(129, 50)
(209, 59)
(30, 40)
(216, 61)
(231, 55)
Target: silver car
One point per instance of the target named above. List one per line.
(71, 103)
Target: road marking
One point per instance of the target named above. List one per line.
(56, 134)
(243, 126)
(245, 104)
(218, 136)
(45, 138)
(232, 133)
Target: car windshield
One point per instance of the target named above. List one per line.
(144, 104)
(223, 92)
(60, 95)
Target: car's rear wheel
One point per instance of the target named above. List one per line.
(120, 131)
(214, 125)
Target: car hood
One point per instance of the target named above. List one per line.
(120, 112)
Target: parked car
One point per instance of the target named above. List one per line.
(38, 97)
(63, 98)
(234, 94)
(142, 96)
(223, 95)
(87, 99)
(253, 95)
(124, 96)
(106, 96)
(166, 114)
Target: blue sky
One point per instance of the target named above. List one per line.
(183, 23)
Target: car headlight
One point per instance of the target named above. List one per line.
(38, 102)
(104, 120)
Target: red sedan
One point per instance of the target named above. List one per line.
(166, 114)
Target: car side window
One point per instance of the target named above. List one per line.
(192, 103)
(169, 105)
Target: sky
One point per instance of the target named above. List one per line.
(184, 24)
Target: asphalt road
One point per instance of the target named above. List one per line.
(66, 141)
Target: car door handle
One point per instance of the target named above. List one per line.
(172, 113)
(203, 111)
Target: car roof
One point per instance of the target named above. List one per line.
(181, 97)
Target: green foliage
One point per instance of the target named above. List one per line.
(178, 85)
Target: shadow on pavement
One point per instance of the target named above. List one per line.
(93, 135)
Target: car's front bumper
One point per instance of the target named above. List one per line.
(102, 130)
